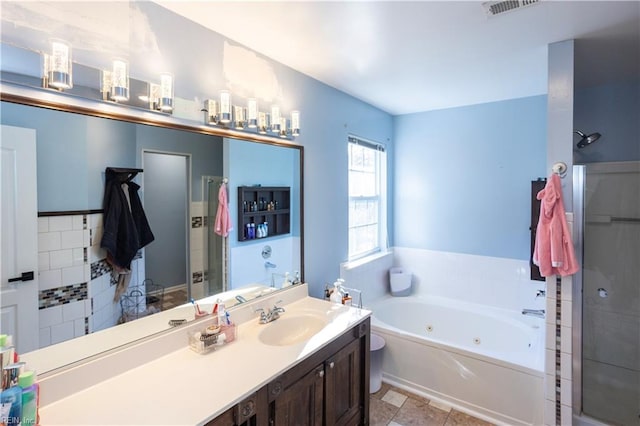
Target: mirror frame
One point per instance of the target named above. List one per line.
(48, 99)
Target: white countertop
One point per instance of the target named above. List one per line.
(186, 388)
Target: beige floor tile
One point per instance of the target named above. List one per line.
(394, 398)
(456, 418)
(418, 413)
(383, 390)
(381, 412)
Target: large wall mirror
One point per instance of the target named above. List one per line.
(181, 170)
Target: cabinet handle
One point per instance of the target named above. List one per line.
(332, 364)
(321, 373)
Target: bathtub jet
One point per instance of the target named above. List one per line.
(539, 313)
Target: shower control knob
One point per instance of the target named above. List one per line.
(603, 293)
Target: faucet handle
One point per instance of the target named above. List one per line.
(540, 293)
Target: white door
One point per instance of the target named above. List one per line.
(19, 236)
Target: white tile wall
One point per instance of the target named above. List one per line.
(62, 241)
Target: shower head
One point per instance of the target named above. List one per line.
(587, 140)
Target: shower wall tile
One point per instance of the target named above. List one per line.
(43, 261)
(43, 224)
(60, 223)
(48, 241)
(50, 279)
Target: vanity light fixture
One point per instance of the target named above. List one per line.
(295, 123)
(166, 92)
(238, 117)
(283, 127)
(275, 119)
(263, 124)
(252, 113)
(211, 111)
(225, 106)
(119, 81)
(105, 84)
(58, 66)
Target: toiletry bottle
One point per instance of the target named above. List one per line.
(346, 299)
(336, 295)
(11, 406)
(266, 229)
(327, 292)
(30, 398)
(287, 280)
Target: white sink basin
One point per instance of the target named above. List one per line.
(289, 330)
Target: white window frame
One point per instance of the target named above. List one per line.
(380, 196)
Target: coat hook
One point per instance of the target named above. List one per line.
(559, 168)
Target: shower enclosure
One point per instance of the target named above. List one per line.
(606, 324)
(216, 247)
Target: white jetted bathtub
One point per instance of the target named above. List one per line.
(485, 361)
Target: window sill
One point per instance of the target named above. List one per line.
(364, 260)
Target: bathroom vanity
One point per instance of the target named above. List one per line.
(310, 366)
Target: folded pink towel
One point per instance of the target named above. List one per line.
(223, 218)
(553, 251)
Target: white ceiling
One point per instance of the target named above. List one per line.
(405, 57)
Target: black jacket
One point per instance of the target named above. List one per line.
(125, 231)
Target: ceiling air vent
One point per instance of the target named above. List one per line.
(493, 8)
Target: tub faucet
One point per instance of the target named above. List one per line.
(268, 265)
(534, 312)
(271, 314)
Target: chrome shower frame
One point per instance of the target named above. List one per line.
(579, 181)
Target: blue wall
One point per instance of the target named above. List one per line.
(265, 165)
(72, 159)
(196, 58)
(613, 111)
(463, 175)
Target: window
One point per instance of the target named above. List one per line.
(367, 197)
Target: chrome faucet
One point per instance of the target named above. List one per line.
(540, 293)
(268, 265)
(534, 312)
(271, 314)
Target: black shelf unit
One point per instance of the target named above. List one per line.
(259, 204)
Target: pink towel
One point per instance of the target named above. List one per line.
(553, 252)
(223, 219)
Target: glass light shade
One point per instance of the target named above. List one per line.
(238, 117)
(283, 127)
(211, 111)
(252, 113)
(225, 106)
(120, 81)
(275, 119)
(105, 82)
(295, 123)
(263, 125)
(166, 92)
(59, 67)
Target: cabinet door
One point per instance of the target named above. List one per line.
(301, 403)
(343, 392)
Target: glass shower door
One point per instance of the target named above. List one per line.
(611, 293)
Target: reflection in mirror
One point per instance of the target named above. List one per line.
(182, 173)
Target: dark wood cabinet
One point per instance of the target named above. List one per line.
(343, 392)
(302, 402)
(536, 186)
(340, 371)
(330, 387)
(263, 207)
(251, 411)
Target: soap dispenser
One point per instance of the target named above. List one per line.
(336, 295)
